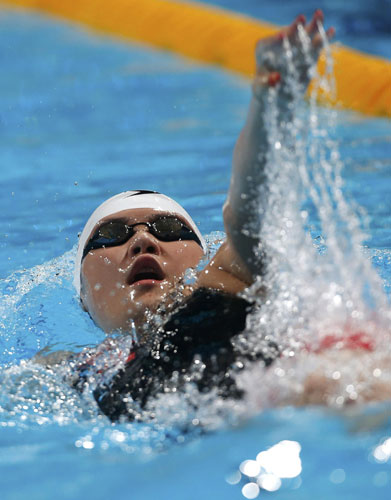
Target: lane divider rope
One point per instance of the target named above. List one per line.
(218, 36)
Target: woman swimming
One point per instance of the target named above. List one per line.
(136, 247)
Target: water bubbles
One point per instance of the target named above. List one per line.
(250, 490)
(282, 459)
(234, 478)
(85, 443)
(269, 482)
(118, 436)
(280, 462)
(382, 452)
(190, 277)
(250, 468)
(337, 300)
(267, 59)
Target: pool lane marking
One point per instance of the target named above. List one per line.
(222, 37)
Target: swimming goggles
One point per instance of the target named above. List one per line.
(164, 228)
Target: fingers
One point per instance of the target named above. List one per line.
(330, 33)
(317, 41)
(300, 36)
(312, 27)
(291, 32)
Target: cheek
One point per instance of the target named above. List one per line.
(99, 273)
(185, 256)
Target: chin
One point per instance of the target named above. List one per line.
(152, 300)
(150, 290)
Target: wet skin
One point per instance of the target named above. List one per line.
(121, 284)
(107, 290)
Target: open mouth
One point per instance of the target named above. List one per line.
(146, 275)
(145, 270)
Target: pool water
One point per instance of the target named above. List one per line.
(83, 117)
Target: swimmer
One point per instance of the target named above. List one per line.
(136, 247)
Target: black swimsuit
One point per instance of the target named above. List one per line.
(202, 328)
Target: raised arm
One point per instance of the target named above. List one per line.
(236, 264)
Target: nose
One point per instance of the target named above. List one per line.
(143, 242)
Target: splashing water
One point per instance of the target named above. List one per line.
(33, 304)
(318, 281)
(322, 287)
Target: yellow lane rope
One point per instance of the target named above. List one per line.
(218, 36)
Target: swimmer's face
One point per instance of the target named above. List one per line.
(121, 283)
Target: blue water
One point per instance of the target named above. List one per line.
(82, 117)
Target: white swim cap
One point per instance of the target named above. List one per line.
(126, 201)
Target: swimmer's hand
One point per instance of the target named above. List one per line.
(289, 56)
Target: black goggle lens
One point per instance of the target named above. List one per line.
(168, 228)
(113, 231)
(116, 233)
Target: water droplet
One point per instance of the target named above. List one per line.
(234, 478)
(250, 468)
(269, 482)
(250, 490)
